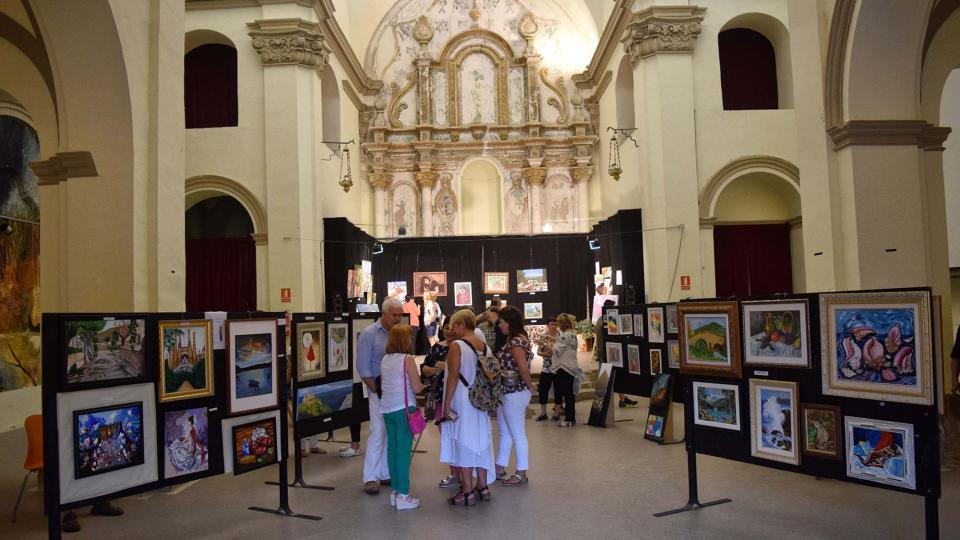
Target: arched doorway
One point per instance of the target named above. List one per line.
(480, 198)
(221, 256)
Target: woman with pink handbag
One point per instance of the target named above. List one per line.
(400, 382)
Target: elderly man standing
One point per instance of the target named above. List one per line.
(371, 347)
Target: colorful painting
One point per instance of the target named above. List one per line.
(613, 322)
(655, 324)
(324, 399)
(533, 310)
(877, 346)
(710, 339)
(773, 421)
(626, 324)
(432, 282)
(776, 334)
(311, 357)
(186, 361)
(638, 324)
(821, 431)
(496, 282)
(880, 451)
(656, 359)
(614, 354)
(397, 289)
(186, 447)
(673, 354)
(600, 407)
(673, 322)
(107, 439)
(337, 347)
(463, 293)
(654, 429)
(252, 364)
(660, 392)
(254, 445)
(633, 359)
(105, 350)
(532, 280)
(717, 405)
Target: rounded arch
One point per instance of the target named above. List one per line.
(480, 202)
(626, 108)
(741, 167)
(199, 188)
(777, 34)
(196, 38)
(330, 107)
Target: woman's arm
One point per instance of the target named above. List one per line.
(411, 367)
(520, 355)
(453, 376)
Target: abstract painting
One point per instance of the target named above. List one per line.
(654, 430)
(337, 347)
(880, 451)
(673, 322)
(311, 357)
(633, 359)
(254, 445)
(496, 282)
(533, 310)
(776, 334)
(717, 405)
(186, 361)
(107, 438)
(532, 280)
(104, 351)
(656, 359)
(638, 324)
(660, 393)
(626, 324)
(773, 421)
(613, 322)
(673, 354)
(463, 293)
(709, 339)
(186, 447)
(614, 354)
(397, 289)
(877, 346)
(432, 282)
(821, 430)
(655, 324)
(252, 364)
(324, 399)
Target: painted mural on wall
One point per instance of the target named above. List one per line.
(516, 204)
(19, 257)
(403, 208)
(477, 81)
(559, 203)
(445, 208)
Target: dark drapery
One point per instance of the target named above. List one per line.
(748, 70)
(221, 274)
(210, 86)
(752, 260)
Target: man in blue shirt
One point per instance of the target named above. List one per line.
(371, 348)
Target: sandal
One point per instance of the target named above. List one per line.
(461, 498)
(483, 494)
(449, 481)
(565, 423)
(516, 480)
(502, 475)
(554, 418)
(541, 418)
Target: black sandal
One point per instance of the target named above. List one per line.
(483, 494)
(461, 498)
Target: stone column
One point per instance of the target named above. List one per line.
(380, 182)
(535, 177)
(427, 180)
(580, 177)
(263, 271)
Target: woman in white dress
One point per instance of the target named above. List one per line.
(466, 441)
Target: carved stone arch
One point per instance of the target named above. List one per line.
(779, 167)
(199, 188)
(482, 36)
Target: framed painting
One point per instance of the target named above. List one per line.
(655, 325)
(633, 359)
(532, 280)
(638, 324)
(186, 438)
(656, 359)
(660, 393)
(773, 421)
(533, 310)
(251, 365)
(254, 445)
(626, 324)
(434, 282)
(673, 354)
(311, 357)
(107, 438)
(880, 451)
(397, 289)
(463, 293)
(654, 429)
(104, 351)
(673, 323)
(717, 405)
(602, 396)
(186, 359)
(877, 346)
(337, 347)
(496, 283)
(709, 339)
(776, 334)
(614, 354)
(821, 430)
(613, 322)
(324, 399)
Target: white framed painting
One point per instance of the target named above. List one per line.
(337, 347)
(251, 365)
(463, 293)
(626, 324)
(638, 324)
(614, 354)
(397, 289)
(776, 334)
(533, 310)
(613, 322)
(655, 324)
(880, 451)
(717, 405)
(774, 410)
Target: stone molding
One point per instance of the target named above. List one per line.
(662, 29)
(606, 47)
(381, 181)
(535, 175)
(259, 239)
(780, 167)
(292, 41)
(426, 179)
(581, 174)
(341, 48)
(232, 188)
(888, 133)
(62, 165)
(840, 24)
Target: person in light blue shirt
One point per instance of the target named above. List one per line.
(371, 348)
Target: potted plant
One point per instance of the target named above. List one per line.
(584, 330)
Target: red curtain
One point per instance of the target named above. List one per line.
(752, 259)
(221, 274)
(748, 70)
(210, 86)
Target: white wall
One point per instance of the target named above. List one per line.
(950, 117)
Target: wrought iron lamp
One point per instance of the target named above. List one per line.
(615, 168)
(346, 182)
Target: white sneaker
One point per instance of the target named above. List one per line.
(407, 502)
(349, 451)
(393, 498)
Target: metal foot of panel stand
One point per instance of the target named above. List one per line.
(693, 503)
(298, 481)
(283, 511)
(931, 511)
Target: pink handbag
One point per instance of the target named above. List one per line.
(415, 420)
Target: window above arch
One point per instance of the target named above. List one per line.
(210, 81)
(748, 70)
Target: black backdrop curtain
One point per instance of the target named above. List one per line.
(221, 274)
(752, 260)
(748, 70)
(210, 86)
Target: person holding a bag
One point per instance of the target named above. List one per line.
(515, 359)
(400, 382)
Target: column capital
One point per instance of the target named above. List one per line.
(535, 175)
(381, 180)
(662, 29)
(581, 174)
(259, 239)
(63, 165)
(289, 42)
(426, 179)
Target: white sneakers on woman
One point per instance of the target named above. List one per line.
(407, 502)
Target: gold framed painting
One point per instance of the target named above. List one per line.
(709, 339)
(496, 283)
(186, 360)
(821, 430)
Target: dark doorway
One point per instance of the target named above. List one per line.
(221, 257)
(748, 70)
(752, 260)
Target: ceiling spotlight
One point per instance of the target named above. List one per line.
(593, 243)
(377, 248)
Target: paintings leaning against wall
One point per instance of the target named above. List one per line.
(614, 354)
(496, 283)
(186, 438)
(659, 410)
(186, 361)
(773, 421)
(463, 293)
(432, 282)
(877, 346)
(254, 445)
(104, 351)
(821, 430)
(603, 395)
(717, 405)
(311, 357)
(655, 324)
(710, 339)
(532, 280)
(633, 359)
(337, 347)
(880, 451)
(324, 399)
(251, 365)
(107, 439)
(776, 334)
(626, 324)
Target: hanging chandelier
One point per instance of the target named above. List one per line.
(346, 182)
(615, 168)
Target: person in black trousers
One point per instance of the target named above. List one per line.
(565, 367)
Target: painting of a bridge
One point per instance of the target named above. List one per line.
(709, 339)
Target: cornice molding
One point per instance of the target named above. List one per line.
(611, 35)
(343, 51)
(840, 23)
(292, 41)
(889, 133)
(196, 5)
(662, 29)
(63, 165)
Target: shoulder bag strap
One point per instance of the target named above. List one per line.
(467, 343)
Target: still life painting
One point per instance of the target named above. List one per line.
(496, 282)
(775, 334)
(773, 421)
(254, 445)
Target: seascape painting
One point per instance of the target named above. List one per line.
(311, 360)
(717, 405)
(107, 439)
(324, 399)
(775, 334)
(880, 451)
(186, 369)
(185, 442)
(337, 347)
(655, 324)
(773, 420)
(251, 364)
(101, 350)
(254, 445)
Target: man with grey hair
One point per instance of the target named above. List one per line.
(371, 348)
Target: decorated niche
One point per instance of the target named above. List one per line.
(516, 204)
(445, 208)
(402, 209)
(559, 203)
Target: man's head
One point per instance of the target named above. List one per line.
(601, 289)
(391, 311)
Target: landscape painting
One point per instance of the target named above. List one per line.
(709, 339)
(186, 447)
(532, 280)
(324, 399)
(821, 430)
(251, 364)
(773, 421)
(880, 451)
(633, 359)
(496, 282)
(254, 445)
(533, 310)
(107, 439)
(337, 347)
(775, 334)
(311, 360)
(186, 370)
(717, 405)
(655, 324)
(105, 350)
